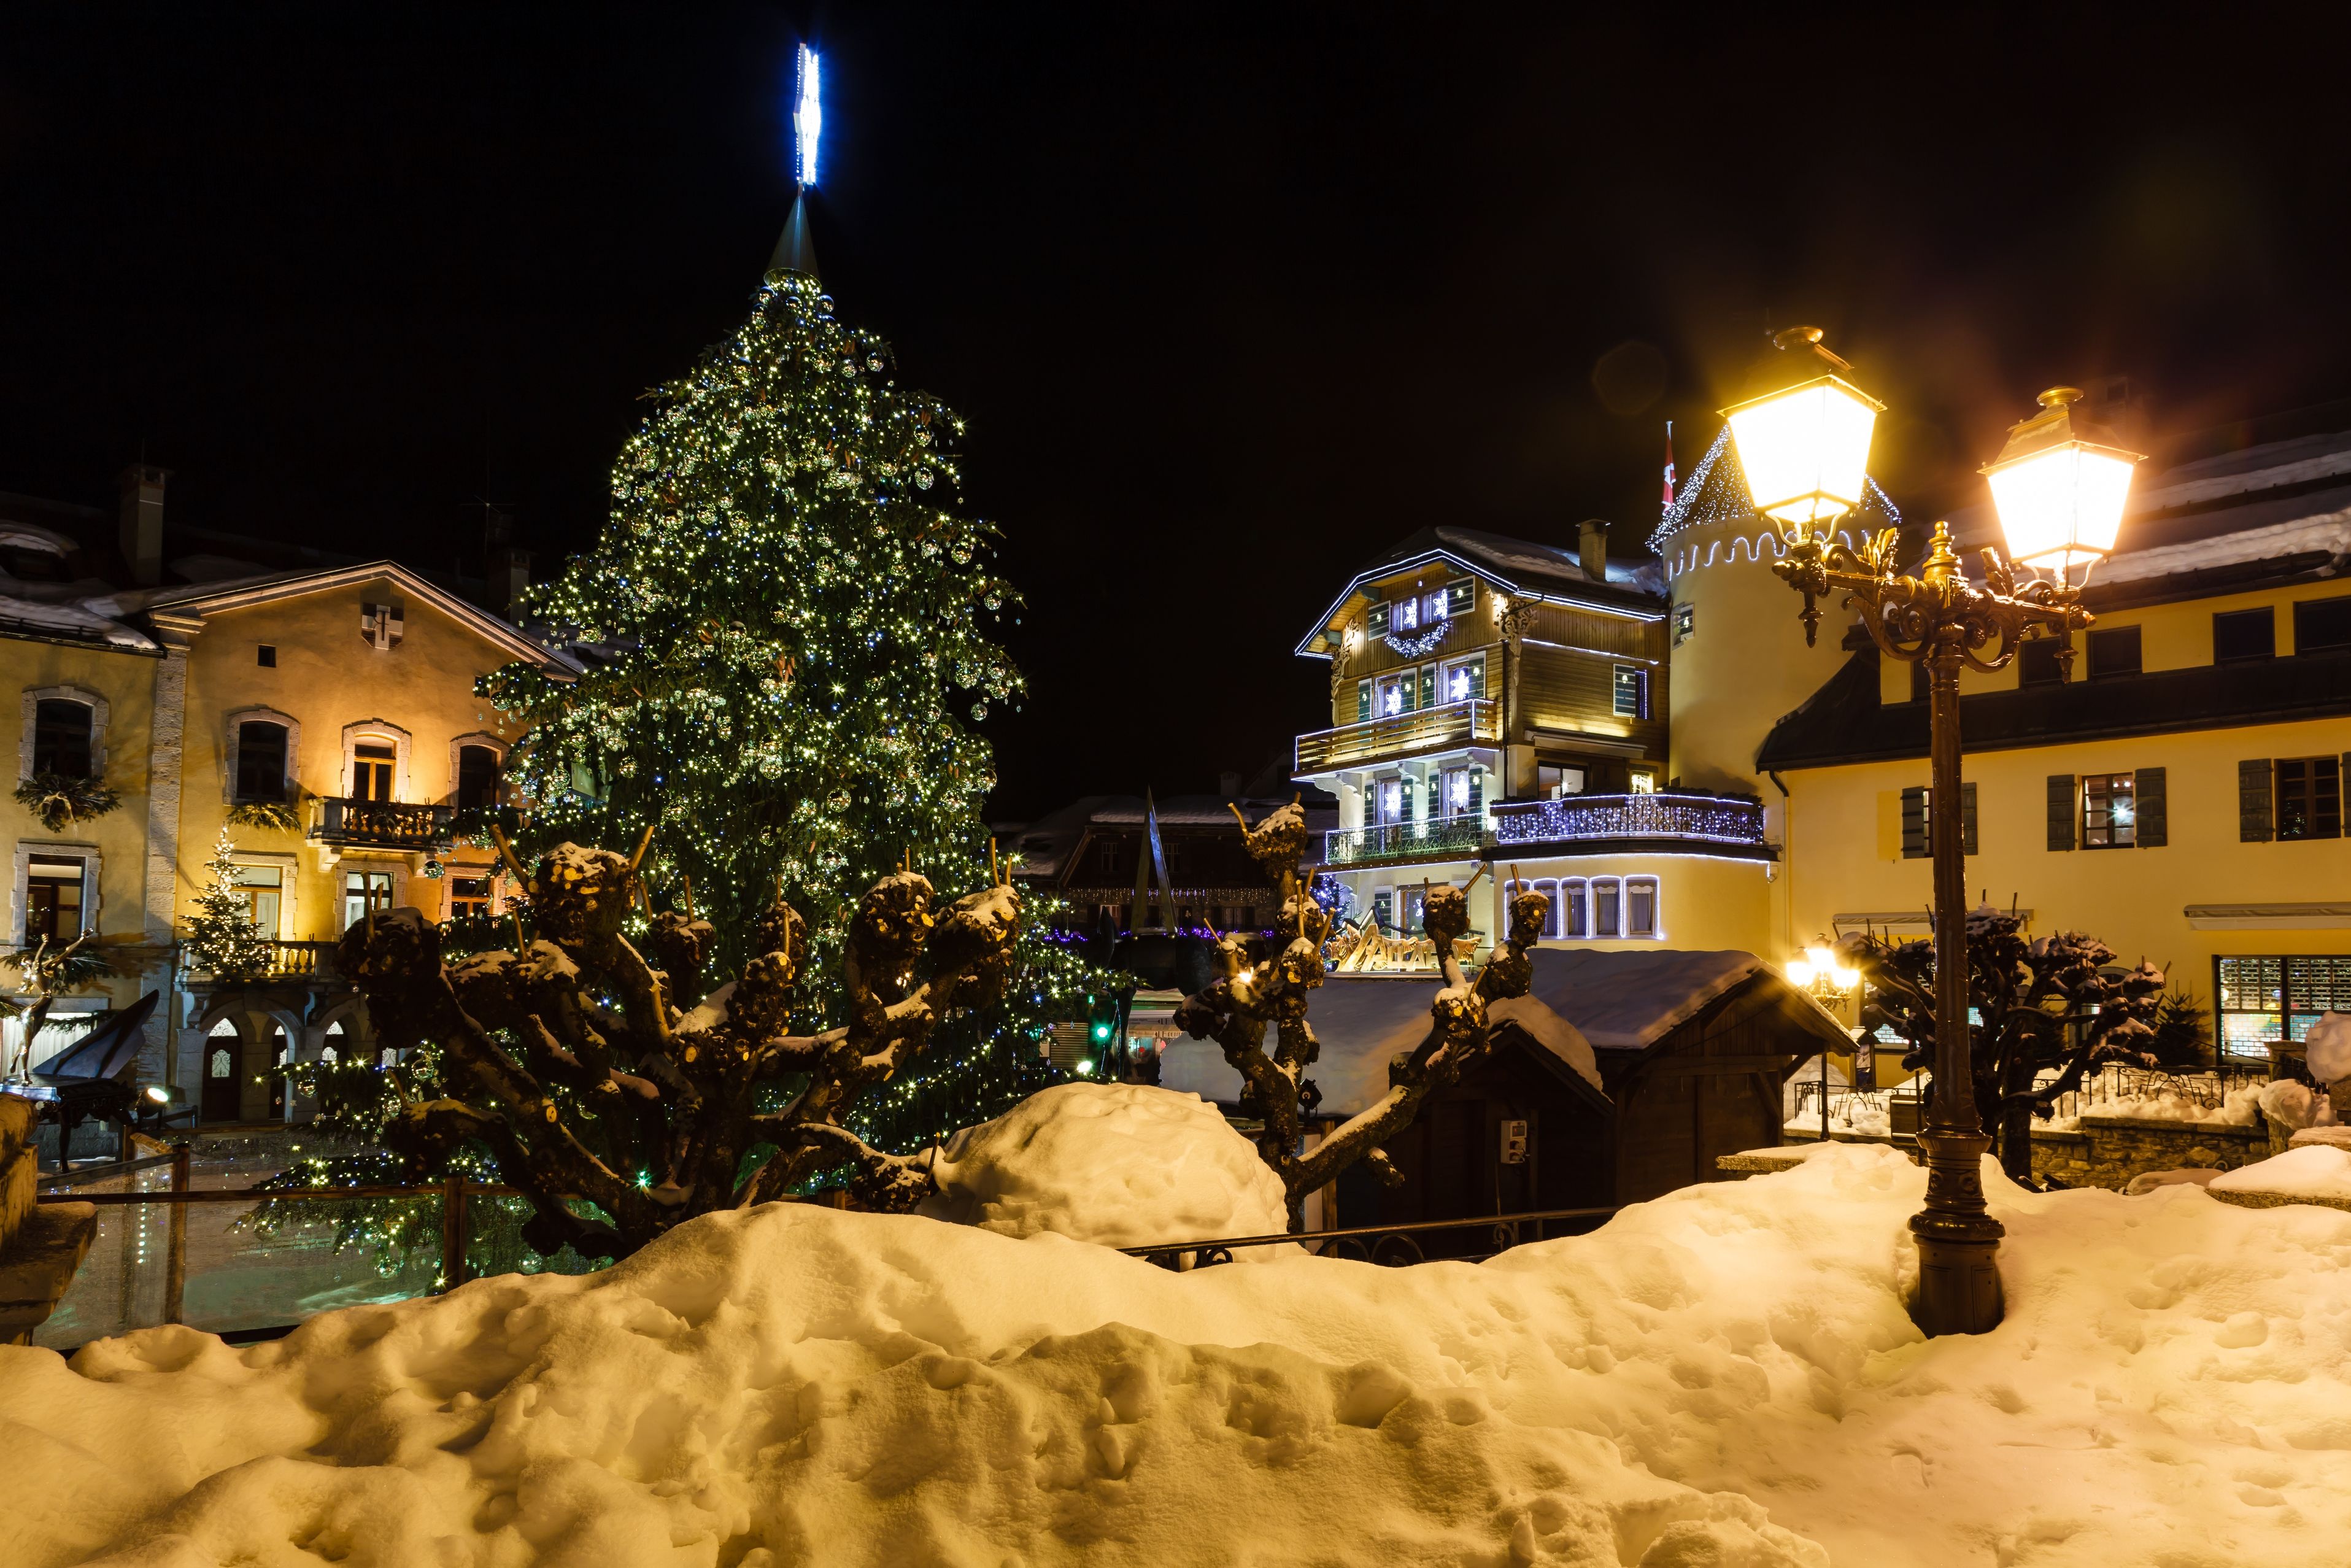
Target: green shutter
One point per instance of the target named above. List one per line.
(1363, 702)
(2253, 800)
(1914, 824)
(2152, 791)
(1460, 596)
(1410, 791)
(1477, 791)
(1967, 819)
(2061, 811)
(1429, 686)
(1375, 620)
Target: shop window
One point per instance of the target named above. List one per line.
(2267, 1001)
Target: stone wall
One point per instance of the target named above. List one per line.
(2109, 1150)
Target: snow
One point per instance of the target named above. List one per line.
(1726, 1377)
(1121, 1165)
(2327, 1048)
(2313, 1171)
(2326, 531)
(2240, 1107)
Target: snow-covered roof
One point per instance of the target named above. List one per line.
(1524, 569)
(1628, 999)
(1362, 1023)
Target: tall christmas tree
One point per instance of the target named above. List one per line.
(786, 625)
(222, 939)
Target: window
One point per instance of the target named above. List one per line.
(61, 735)
(267, 657)
(2244, 634)
(1405, 615)
(1641, 907)
(2109, 811)
(1433, 607)
(1606, 898)
(1685, 624)
(53, 895)
(1641, 782)
(1919, 819)
(469, 895)
(365, 892)
(1556, 783)
(371, 767)
(2322, 625)
(2114, 652)
(1392, 695)
(260, 760)
(263, 886)
(1631, 692)
(1390, 793)
(380, 626)
(2309, 798)
(477, 776)
(1463, 680)
(2037, 664)
(1576, 907)
(2269, 1001)
(1457, 791)
(1922, 681)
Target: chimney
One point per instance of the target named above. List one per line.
(143, 523)
(1229, 785)
(509, 574)
(1592, 548)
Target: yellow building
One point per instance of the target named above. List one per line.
(2178, 794)
(1506, 702)
(324, 718)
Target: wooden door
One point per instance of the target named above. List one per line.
(223, 1078)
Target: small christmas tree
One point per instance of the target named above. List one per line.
(221, 938)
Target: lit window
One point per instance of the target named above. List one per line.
(1606, 897)
(262, 887)
(1391, 800)
(365, 892)
(1407, 616)
(2109, 811)
(1644, 783)
(1457, 791)
(2310, 798)
(1575, 914)
(469, 895)
(53, 899)
(1641, 907)
(1437, 605)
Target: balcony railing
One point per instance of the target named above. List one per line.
(382, 824)
(1708, 823)
(1472, 719)
(1462, 835)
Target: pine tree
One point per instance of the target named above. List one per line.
(222, 939)
(787, 628)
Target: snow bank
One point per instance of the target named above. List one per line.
(1121, 1164)
(1724, 1377)
(2327, 1048)
(2315, 1171)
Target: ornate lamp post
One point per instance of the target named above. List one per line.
(2060, 490)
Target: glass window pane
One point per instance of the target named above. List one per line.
(1603, 909)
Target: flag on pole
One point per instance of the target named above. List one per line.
(1670, 465)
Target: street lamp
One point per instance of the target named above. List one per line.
(2060, 489)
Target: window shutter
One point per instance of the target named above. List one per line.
(1408, 793)
(1967, 819)
(1363, 702)
(1429, 686)
(1477, 791)
(1460, 596)
(1375, 620)
(1914, 824)
(2151, 788)
(2253, 800)
(2061, 811)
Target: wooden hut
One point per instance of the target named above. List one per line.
(1619, 1077)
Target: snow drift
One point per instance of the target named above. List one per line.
(1121, 1164)
(1723, 1378)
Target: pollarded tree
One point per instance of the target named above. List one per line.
(786, 629)
(1263, 985)
(2055, 1004)
(596, 1074)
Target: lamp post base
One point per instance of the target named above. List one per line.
(1959, 1273)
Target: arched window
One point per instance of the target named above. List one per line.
(260, 760)
(62, 737)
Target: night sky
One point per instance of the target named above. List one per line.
(1231, 298)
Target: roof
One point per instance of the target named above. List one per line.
(1630, 998)
(1044, 848)
(217, 598)
(1520, 567)
(1845, 722)
(1361, 1022)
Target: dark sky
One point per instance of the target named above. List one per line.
(1231, 298)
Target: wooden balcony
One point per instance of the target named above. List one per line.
(1473, 721)
(382, 824)
(1447, 838)
(1606, 824)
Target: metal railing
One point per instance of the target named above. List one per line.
(1463, 834)
(1393, 1246)
(1470, 719)
(388, 824)
(1706, 819)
